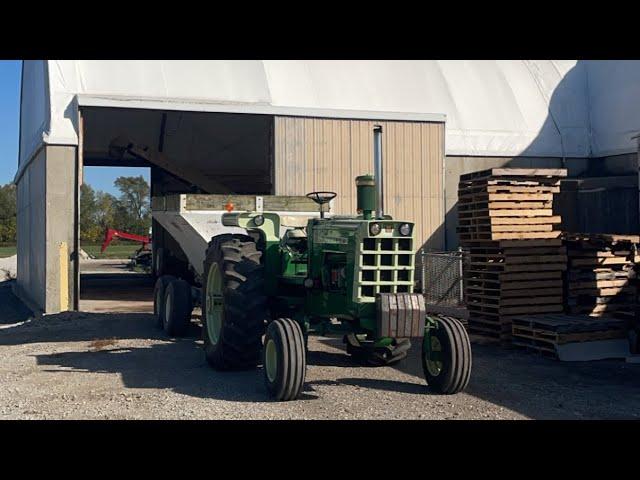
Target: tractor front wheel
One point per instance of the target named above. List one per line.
(284, 359)
(446, 356)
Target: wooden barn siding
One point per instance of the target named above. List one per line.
(327, 154)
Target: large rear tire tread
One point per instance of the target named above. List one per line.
(456, 351)
(245, 305)
(292, 363)
(176, 321)
(159, 291)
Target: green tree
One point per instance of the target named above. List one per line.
(100, 210)
(8, 213)
(105, 210)
(133, 207)
(88, 211)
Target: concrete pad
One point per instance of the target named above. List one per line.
(598, 350)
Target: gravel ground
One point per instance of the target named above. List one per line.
(98, 364)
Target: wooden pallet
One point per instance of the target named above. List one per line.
(495, 329)
(599, 310)
(601, 238)
(499, 290)
(516, 259)
(489, 309)
(601, 277)
(536, 173)
(544, 333)
(591, 300)
(512, 221)
(593, 275)
(483, 237)
(470, 229)
(473, 187)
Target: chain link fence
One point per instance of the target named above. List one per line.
(441, 277)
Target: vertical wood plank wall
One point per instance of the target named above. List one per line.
(327, 154)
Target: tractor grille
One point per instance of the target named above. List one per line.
(385, 265)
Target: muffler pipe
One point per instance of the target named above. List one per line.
(377, 165)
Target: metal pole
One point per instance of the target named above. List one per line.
(377, 160)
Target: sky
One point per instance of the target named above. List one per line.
(100, 178)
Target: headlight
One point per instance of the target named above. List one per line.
(258, 220)
(405, 229)
(375, 229)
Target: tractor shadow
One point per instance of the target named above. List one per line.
(142, 355)
(410, 365)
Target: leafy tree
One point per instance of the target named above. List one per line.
(129, 212)
(133, 206)
(88, 210)
(106, 210)
(8, 213)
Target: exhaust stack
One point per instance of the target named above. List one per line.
(377, 164)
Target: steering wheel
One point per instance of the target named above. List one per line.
(322, 197)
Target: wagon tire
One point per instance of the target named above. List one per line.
(159, 290)
(178, 308)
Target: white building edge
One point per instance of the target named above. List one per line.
(499, 108)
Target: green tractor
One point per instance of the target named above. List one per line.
(263, 293)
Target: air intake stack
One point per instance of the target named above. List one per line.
(366, 192)
(369, 188)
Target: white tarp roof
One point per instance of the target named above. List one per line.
(492, 108)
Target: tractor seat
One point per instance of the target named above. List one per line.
(294, 237)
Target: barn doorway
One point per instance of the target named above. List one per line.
(175, 152)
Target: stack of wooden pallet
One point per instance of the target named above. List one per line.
(601, 278)
(550, 334)
(506, 221)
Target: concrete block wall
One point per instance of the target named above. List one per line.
(46, 219)
(31, 221)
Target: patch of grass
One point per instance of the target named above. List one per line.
(115, 250)
(118, 251)
(8, 251)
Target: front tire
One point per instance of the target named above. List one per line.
(446, 357)
(234, 307)
(284, 359)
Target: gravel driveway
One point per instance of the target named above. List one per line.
(118, 366)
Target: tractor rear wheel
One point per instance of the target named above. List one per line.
(158, 298)
(284, 359)
(446, 356)
(177, 308)
(234, 307)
